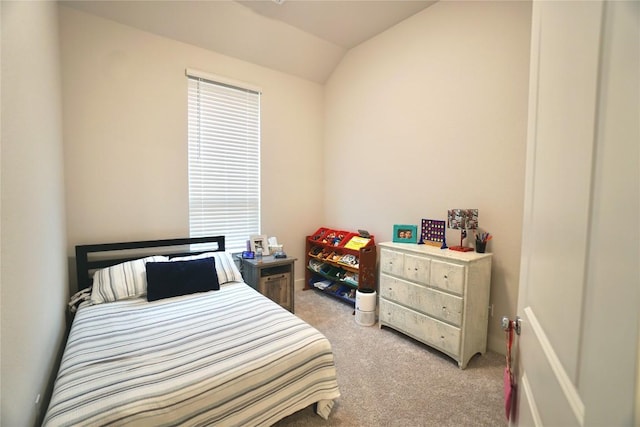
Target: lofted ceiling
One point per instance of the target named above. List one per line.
(305, 38)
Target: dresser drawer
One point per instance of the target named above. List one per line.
(411, 267)
(424, 328)
(430, 301)
(391, 262)
(447, 276)
(416, 268)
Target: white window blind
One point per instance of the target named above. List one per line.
(224, 161)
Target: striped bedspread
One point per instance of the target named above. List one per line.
(228, 357)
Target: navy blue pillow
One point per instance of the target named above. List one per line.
(175, 278)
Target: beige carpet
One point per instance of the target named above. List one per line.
(388, 379)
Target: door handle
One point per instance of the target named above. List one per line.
(508, 323)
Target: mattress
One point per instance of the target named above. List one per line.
(227, 357)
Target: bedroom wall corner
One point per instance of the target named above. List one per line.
(33, 277)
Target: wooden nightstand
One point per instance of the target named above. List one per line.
(272, 277)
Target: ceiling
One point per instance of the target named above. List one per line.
(344, 23)
(305, 38)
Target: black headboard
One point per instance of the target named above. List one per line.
(93, 257)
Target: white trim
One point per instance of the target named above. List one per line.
(190, 72)
(525, 386)
(569, 390)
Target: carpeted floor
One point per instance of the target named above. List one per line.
(388, 379)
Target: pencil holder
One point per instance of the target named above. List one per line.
(481, 246)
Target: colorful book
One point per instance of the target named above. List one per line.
(357, 242)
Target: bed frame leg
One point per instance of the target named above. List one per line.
(323, 408)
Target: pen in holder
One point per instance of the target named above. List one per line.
(481, 242)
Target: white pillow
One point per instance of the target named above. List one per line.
(225, 266)
(122, 281)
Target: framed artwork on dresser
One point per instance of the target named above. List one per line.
(259, 241)
(405, 233)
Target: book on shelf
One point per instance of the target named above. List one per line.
(357, 242)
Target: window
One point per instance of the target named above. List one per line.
(224, 160)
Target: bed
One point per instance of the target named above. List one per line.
(227, 356)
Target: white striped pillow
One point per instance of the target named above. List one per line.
(122, 281)
(225, 267)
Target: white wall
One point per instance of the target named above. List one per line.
(125, 129)
(432, 115)
(34, 268)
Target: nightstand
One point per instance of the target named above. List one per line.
(272, 277)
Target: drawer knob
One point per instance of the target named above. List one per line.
(446, 277)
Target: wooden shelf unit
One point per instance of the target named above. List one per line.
(328, 261)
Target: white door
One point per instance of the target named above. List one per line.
(577, 357)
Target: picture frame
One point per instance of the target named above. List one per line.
(259, 241)
(403, 233)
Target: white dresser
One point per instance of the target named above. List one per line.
(437, 296)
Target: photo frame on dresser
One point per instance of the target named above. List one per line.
(259, 241)
(403, 233)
